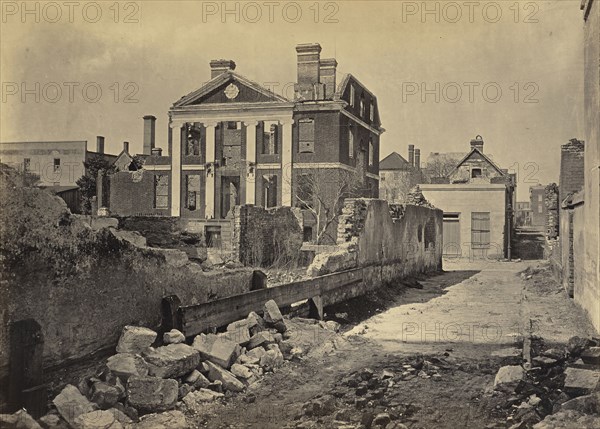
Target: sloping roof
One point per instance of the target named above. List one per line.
(490, 162)
(394, 161)
(221, 79)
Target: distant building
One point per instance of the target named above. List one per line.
(477, 198)
(234, 142)
(56, 163)
(523, 213)
(539, 212)
(397, 175)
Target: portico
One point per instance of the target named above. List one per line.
(216, 123)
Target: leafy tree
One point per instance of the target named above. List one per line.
(87, 182)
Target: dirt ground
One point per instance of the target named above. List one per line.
(440, 348)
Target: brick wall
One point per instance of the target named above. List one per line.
(571, 168)
(132, 193)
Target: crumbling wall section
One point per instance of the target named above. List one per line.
(389, 243)
(265, 237)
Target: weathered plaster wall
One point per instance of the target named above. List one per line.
(465, 199)
(389, 243)
(587, 280)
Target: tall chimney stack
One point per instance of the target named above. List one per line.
(126, 147)
(418, 159)
(309, 85)
(477, 143)
(99, 144)
(218, 67)
(411, 154)
(327, 70)
(149, 134)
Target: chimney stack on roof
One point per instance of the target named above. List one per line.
(309, 86)
(99, 144)
(418, 159)
(477, 143)
(126, 147)
(218, 67)
(411, 154)
(149, 134)
(327, 70)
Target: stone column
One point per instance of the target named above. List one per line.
(176, 170)
(250, 176)
(286, 162)
(209, 195)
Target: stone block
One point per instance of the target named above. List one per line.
(241, 371)
(229, 381)
(124, 365)
(588, 404)
(272, 359)
(238, 332)
(105, 395)
(272, 314)
(152, 394)
(262, 338)
(70, 404)
(135, 339)
(18, 420)
(171, 361)
(508, 377)
(173, 337)
(216, 349)
(102, 419)
(168, 420)
(591, 356)
(579, 381)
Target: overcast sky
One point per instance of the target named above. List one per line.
(388, 45)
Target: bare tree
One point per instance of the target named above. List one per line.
(322, 193)
(440, 165)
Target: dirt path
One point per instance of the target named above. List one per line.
(454, 334)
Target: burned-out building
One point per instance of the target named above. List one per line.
(477, 198)
(233, 142)
(397, 176)
(539, 212)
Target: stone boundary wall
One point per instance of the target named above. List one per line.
(389, 242)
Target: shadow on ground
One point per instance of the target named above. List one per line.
(419, 289)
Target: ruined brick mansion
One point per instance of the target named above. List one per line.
(234, 142)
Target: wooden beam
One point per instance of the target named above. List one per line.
(202, 317)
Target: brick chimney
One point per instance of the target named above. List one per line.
(218, 67)
(126, 147)
(149, 134)
(309, 85)
(418, 159)
(99, 144)
(477, 143)
(411, 154)
(327, 70)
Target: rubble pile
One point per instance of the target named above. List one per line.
(367, 398)
(149, 386)
(415, 197)
(555, 387)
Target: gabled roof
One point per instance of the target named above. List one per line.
(342, 88)
(467, 156)
(394, 161)
(222, 79)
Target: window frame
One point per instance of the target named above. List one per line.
(157, 178)
(56, 165)
(481, 243)
(350, 142)
(301, 148)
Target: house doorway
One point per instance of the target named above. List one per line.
(451, 235)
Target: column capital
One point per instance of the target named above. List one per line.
(177, 124)
(251, 122)
(287, 121)
(209, 124)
